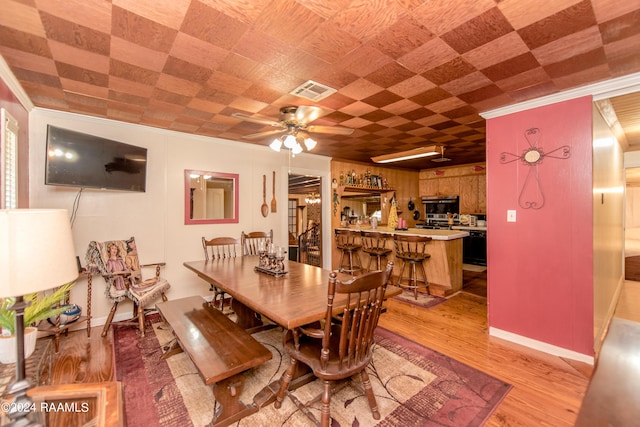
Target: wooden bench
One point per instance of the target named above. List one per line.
(221, 352)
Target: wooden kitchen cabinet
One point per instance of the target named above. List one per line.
(482, 193)
(468, 181)
(428, 187)
(468, 194)
(449, 186)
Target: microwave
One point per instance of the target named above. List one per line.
(438, 206)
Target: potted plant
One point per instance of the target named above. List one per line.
(41, 307)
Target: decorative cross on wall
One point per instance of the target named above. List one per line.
(531, 195)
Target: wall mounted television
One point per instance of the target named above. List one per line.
(80, 160)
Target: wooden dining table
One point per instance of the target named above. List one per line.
(296, 298)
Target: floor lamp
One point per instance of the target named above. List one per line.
(36, 254)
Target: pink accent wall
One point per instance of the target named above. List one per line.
(540, 268)
(9, 102)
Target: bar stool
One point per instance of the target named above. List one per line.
(347, 243)
(375, 244)
(412, 250)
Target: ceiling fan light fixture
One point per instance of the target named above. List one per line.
(310, 143)
(275, 145)
(290, 141)
(415, 153)
(297, 149)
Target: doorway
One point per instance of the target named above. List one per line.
(305, 219)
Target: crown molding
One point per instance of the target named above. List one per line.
(602, 90)
(13, 84)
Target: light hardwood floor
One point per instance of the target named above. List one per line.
(547, 390)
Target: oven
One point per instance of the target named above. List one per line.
(474, 248)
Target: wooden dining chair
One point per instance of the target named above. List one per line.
(338, 351)
(220, 248)
(250, 242)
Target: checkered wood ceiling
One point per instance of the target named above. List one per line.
(407, 72)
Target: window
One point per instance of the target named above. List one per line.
(293, 217)
(9, 161)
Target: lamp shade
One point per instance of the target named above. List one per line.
(36, 251)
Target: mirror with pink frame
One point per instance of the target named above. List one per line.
(210, 197)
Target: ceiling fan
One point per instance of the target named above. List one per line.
(293, 126)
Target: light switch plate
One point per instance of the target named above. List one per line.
(511, 215)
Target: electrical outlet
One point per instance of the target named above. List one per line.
(511, 215)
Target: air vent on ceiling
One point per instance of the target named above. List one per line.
(313, 90)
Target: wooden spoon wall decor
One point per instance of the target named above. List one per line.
(264, 208)
(273, 200)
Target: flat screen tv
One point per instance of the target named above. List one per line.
(81, 160)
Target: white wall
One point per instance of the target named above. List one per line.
(156, 217)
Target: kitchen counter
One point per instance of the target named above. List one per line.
(434, 234)
(468, 228)
(444, 267)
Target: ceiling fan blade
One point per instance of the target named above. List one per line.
(264, 134)
(306, 114)
(336, 130)
(259, 120)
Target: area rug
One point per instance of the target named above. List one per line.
(424, 300)
(413, 385)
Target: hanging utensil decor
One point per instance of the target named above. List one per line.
(273, 200)
(264, 208)
(411, 205)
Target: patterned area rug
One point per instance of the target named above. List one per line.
(424, 300)
(413, 385)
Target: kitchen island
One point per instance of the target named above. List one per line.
(444, 267)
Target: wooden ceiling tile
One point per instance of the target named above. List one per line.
(78, 57)
(365, 19)
(402, 37)
(401, 107)
(569, 46)
(196, 51)
(389, 75)
(360, 89)
(480, 30)
(212, 26)
(231, 84)
(520, 13)
(411, 86)
(140, 89)
(606, 10)
(364, 61)
(440, 17)
(498, 50)
(97, 15)
(288, 20)
(142, 31)
(28, 61)
(167, 13)
(428, 56)
(514, 66)
(329, 42)
(570, 20)
(178, 85)
(131, 53)
(22, 17)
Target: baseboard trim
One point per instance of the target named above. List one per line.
(540, 346)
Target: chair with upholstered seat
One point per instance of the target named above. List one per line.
(220, 248)
(335, 352)
(252, 241)
(375, 244)
(117, 262)
(412, 251)
(348, 243)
